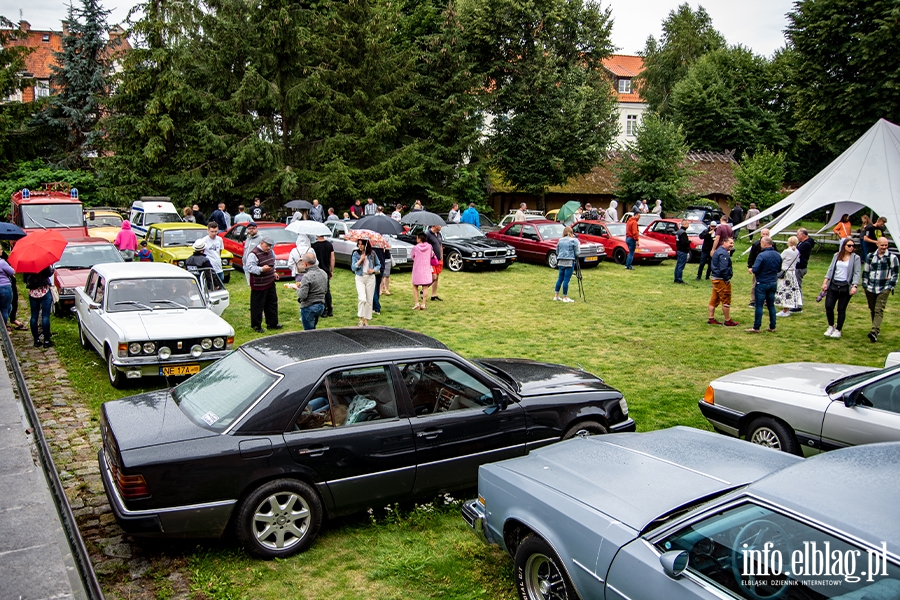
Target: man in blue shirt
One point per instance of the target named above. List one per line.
(766, 269)
(470, 215)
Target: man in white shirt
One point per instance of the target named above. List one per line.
(520, 214)
(213, 250)
(454, 215)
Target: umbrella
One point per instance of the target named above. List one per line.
(8, 231)
(309, 228)
(376, 239)
(299, 205)
(423, 217)
(37, 251)
(379, 224)
(568, 209)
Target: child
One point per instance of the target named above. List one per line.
(421, 255)
(144, 255)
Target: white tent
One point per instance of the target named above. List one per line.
(867, 174)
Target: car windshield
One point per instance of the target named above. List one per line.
(845, 383)
(182, 237)
(551, 231)
(151, 218)
(697, 228)
(104, 221)
(461, 231)
(693, 214)
(616, 229)
(85, 257)
(43, 216)
(279, 235)
(153, 294)
(217, 396)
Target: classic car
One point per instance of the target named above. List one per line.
(644, 219)
(530, 215)
(684, 514)
(147, 319)
(612, 236)
(465, 246)
(105, 223)
(285, 241)
(485, 223)
(806, 407)
(343, 249)
(700, 213)
(536, 240)
(153, 209)
(174, 243)
(291, 428)
(664, 230)
(72, 268)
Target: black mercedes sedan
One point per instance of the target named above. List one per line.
(465, 246)
(292, 428)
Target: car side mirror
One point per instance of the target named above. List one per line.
(501, 400)
(851, 399)
(91, 215)
(674, 562)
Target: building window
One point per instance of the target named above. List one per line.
(631, 123)
(624, 86)
(41, 89)
(45, 37)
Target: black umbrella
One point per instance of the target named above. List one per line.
(299, 205)
(423, 217)
(380, 224)
(8, 231)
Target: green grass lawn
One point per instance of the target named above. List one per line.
(640, 332)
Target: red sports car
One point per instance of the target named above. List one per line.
(664, 231)
(285, 241)
(612, 236)
(535, 241)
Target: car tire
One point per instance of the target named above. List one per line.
(584, 428)
(552, 261)
(770, 433)
(116, 377)
(278, 519)
(227, 277)
(620, 256)
(58, 310)
(539, 572)
(454, 261)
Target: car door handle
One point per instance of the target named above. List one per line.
(313, 451)
(430, 434)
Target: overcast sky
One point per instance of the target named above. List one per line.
(758, 24)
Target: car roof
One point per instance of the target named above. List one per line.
(853, 489)
(87, 241)
(177, 225)
(140, 270)
(277, 351)
(636, 478)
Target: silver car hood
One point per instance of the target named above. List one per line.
(637, 477)
(801, 378)
(163, 324)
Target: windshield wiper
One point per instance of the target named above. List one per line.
(30, 218)
(57, 222)
(179, 304)
(133, 303)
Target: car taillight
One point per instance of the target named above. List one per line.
(710, 396)
(131, 487)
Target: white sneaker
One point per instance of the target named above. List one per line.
(836, 334)
(829, 331)
(556, 299)
(784, 313)
(568, 300)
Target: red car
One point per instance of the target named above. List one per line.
(612, 236)
(535, 241)
(72, 268)
(664, 231)
(285, 241)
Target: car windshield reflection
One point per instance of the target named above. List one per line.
(461, 231)
(153, 294)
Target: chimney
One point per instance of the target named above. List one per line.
(24, 26)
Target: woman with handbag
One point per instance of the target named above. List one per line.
(843, 229)
(841, 282)
(566, 255)
(788, 294)
(422, 255)
(41, 300)
(365, 265)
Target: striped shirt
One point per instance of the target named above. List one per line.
(880, 272)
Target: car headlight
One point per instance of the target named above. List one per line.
(219, 343)
(623, 404)
(479, 254)
(206, 343)
(226, 262)
(179, 263)
(164, 353)
(196, 350)
(280, 263)
(149, 347)
(134, 348)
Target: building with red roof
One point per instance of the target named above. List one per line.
(623, 69)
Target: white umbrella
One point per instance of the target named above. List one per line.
(309, 228)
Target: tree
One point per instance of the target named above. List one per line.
(12, 114)
(725, 102)
(81, 78)
(687, 36)
(848, 68)
(760, 176)
(652, 165)
(552, 105)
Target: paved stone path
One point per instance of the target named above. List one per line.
(125, 569)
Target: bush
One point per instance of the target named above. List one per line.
(33, 174)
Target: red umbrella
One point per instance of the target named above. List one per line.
(37, 251)
(376, 239)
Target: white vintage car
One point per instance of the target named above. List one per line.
(151, 319)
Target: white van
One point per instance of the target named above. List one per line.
(152, 209)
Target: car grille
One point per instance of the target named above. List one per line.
(589, 250)
(495, 253)
(180, 347)
(399, 253)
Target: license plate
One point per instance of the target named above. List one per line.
(179, 370)
(661, 255)
(498, 261)
(398, 261)
(590, 258)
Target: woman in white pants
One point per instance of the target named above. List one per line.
(365, 264)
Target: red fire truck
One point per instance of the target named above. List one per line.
(56, 206)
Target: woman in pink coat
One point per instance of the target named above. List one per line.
(126, 241)
(421, 255)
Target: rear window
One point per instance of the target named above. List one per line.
(218, 395)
